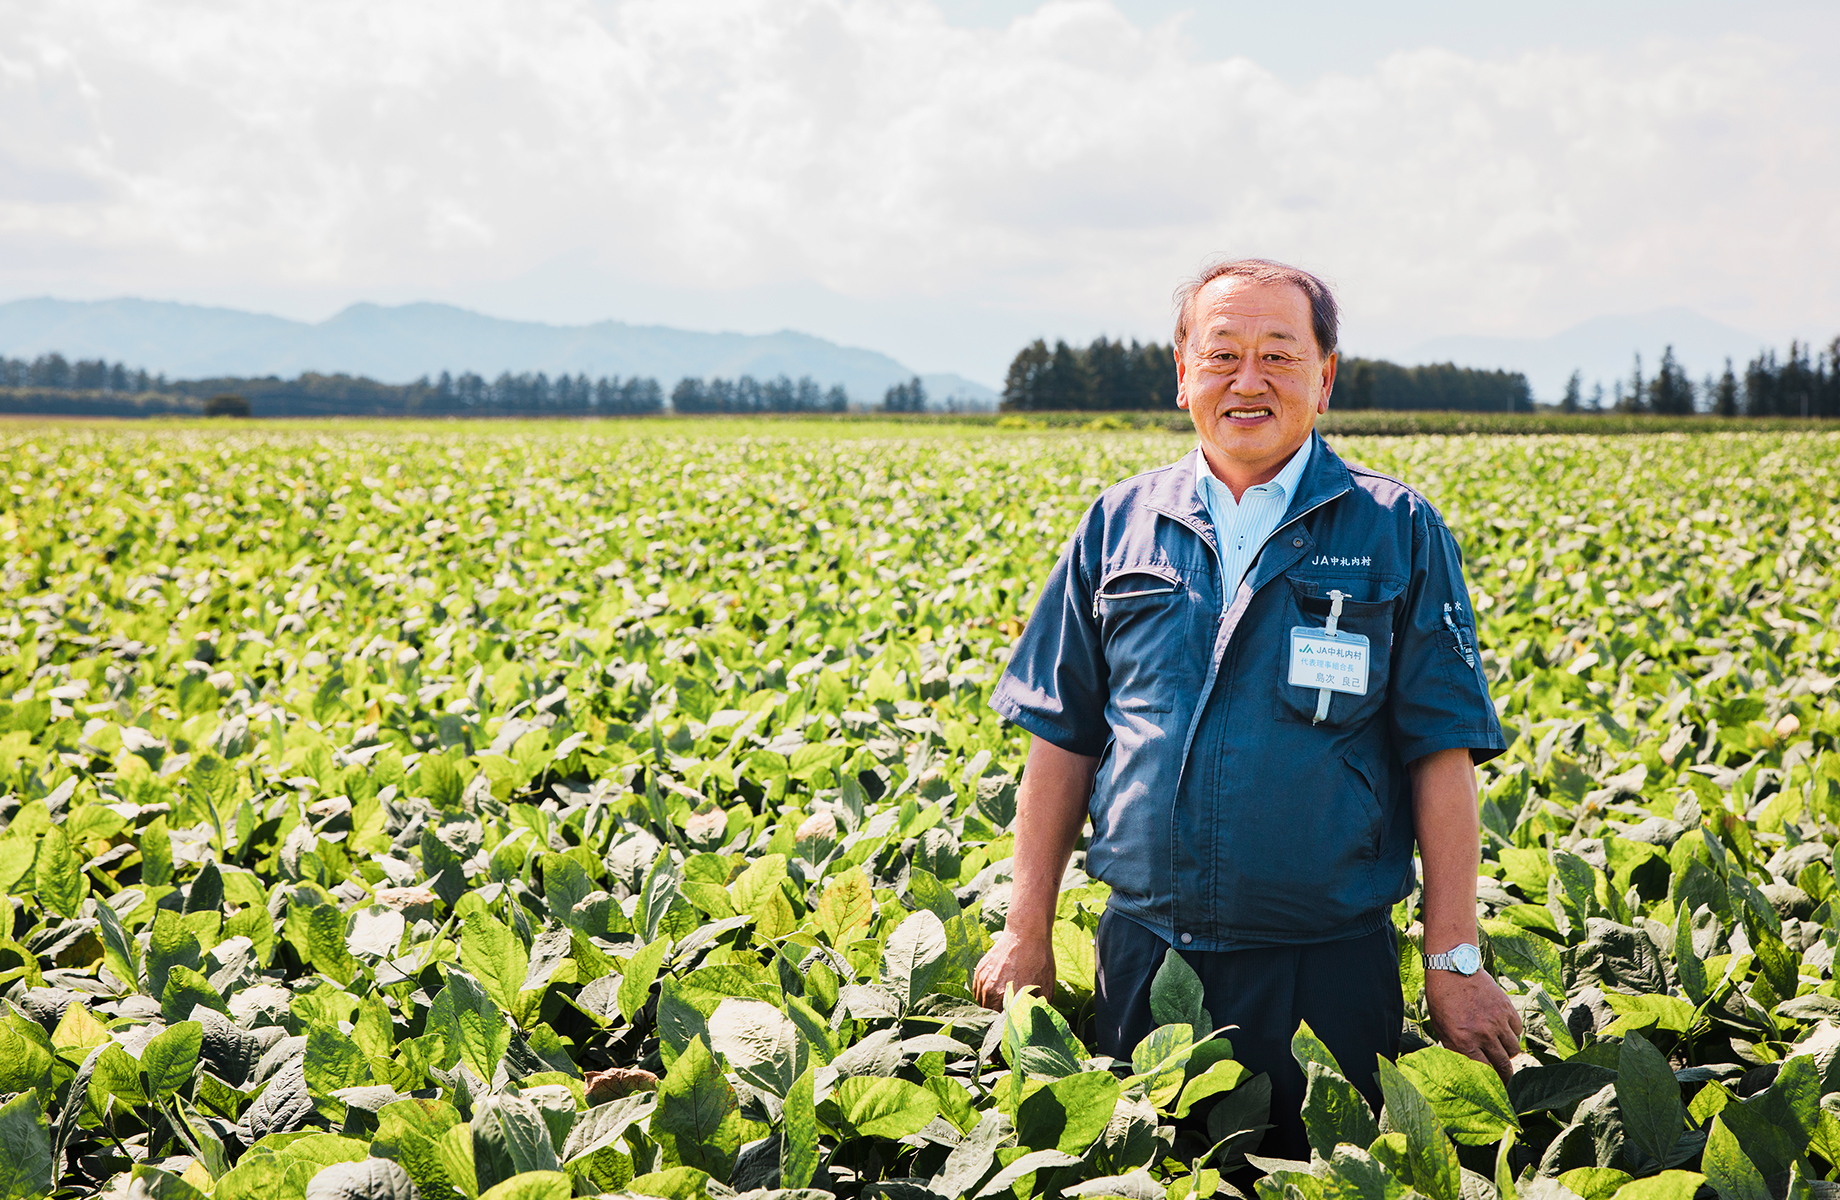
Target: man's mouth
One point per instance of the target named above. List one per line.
(1247, 414)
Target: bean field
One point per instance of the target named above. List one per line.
(515, 812)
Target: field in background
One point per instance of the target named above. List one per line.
(516, 808)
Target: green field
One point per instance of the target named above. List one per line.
(519, 810)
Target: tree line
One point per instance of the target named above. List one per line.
(750, 395)
(1804, 384)
(1106, 375)
(57, 373)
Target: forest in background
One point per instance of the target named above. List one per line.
(1101, 376)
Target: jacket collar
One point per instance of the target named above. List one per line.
(1173, 492)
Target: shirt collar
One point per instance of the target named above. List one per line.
(1284, 482)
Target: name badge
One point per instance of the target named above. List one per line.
(1335, 662)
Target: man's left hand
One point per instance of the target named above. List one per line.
(1472, 1015)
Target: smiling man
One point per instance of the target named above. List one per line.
(1255, 670)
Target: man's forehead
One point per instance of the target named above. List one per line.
(1241, 306)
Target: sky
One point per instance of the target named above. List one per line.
(941, 180)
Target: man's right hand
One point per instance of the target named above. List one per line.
(1014, 961)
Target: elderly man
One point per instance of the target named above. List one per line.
(1256, 670)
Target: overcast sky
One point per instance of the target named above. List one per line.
(937, 180)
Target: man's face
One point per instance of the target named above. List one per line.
(1251, 375)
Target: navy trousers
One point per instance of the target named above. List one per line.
(1348, 991)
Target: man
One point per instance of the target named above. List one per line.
(1256, 670)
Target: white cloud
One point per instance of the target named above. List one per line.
(1061, 171)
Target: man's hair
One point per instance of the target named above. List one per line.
(1325, 317)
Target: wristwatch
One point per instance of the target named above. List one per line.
(1463, 958)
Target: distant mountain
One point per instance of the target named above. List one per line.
(1603, 348)
(398, 344)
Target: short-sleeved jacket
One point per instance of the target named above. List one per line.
(1223, 816)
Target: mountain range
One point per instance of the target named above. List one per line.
(397, 344)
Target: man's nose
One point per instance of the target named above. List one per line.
(1248, 380)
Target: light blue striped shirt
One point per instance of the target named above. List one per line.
(1243, 525)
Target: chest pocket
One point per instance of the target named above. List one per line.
(1369, 609)
(1144, 613)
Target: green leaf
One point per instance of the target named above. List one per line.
(170, 1058)
(1668, 1185)
(326, 948)
(473, 1025)
(673, 1183)
(1429, 1154)
(1687, 964)
(696, 1123)
(24, 1063)
(1223, 1076)
(1354, 1174)
(1594, 1183)
(185, 990)
(494, 956)
(1176, 994)
(121, 954)
(532, 1185)
(846, 907)
(333, 1061)
(25, 1149)
(1644, 1012)
(1036, 1040)
(1334, 1112)
(1728, 1169)
(874, 1106)
(1469, 1098)
(759, 1043)
(1525, 956)
(408, 1132)
(1162, 1060)
(914, 954)
(58, 875)
(1307, 1048)
(641, 973)
(798, 1151)
(755, 887)
(1649, 1096)
(1535, 1089)
(170, 944)
(1068, 1114)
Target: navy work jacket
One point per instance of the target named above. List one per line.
(1223, 816)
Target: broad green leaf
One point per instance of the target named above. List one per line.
(58, 875)
(1068, 1114)
(1176, 995)
(1728, 1169)
(24, 1064)
(185, 990)
(914, 954)
(641, 973)
(672, 1183)
(696, 1123)
(845, 907)
(333, 1061)
(1649, 1097)
(170, 945)
(1644, 1012)
(25, 1149)
(408, 1132)
(798, 1154)
(1429, 1154)
(1334, 1113)
(1594, 1183)
(756, 886)
(758, 1042)
(873, 1106)
(170, 1058)
(533, 1185)
(1525, 956)
(475, 1029)
(1668, 1185)
(1469, 1098)
(1036, 1040)
(1161, 1059)
(1307, 1048)
(1223, 1076)
(494, 956)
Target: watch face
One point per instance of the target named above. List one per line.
(1466, 959)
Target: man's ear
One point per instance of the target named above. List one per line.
(1181, 378)
(1328, 381)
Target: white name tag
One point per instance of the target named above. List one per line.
(1336, 661)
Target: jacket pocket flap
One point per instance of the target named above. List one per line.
(1148, 580)
(1358, 595)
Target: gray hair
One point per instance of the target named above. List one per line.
(1325, 317)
